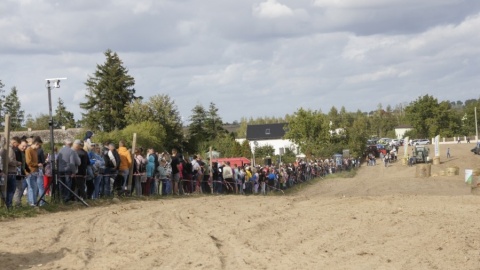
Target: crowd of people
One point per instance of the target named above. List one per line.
(91, 171)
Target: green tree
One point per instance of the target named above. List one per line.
(205, 127)
(358, 135)
(264, 151)
(246, 151)
(197, 130)
(149, 134)
(13, 107)
(213, 122)
(468, 124)
(431, 118)
(40, 122)
(309, 130)
(227, 146)
(110, 90)
(160, 109)
(63, 117)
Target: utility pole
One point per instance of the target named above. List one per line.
(476, 125)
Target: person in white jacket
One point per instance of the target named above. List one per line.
(228, 177)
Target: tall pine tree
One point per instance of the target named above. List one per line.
(63, 117)
(13, 107)
(110, 90)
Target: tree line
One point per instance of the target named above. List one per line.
(113, 111)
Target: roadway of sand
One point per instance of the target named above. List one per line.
(384, 218)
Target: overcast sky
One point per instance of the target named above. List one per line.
(250, 57)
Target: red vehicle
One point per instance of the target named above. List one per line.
(239, 161)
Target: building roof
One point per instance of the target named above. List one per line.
(266, 132)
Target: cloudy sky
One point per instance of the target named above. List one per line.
(250, 57)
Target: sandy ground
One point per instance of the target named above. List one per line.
(384, 218)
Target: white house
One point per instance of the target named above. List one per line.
(400, 130)
(269, 134)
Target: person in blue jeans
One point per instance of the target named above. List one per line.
(98, 169)
(13, 166)
(33, 168)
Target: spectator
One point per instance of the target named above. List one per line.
(228, 177)
(33, 166)
(146, 189)
(13, 164)
(125, 163)
(21, 182)
(163, 177)
(68, 162)
(112, 164)
(175, 163)
(139, 168)
(98, 169)
(79, 179)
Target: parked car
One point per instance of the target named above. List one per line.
(372, 149)
(421, 142)
(396, 142)
(384, 141)
(371, 142)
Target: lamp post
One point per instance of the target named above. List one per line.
(476, 125)
(55, 180)
(255, 145)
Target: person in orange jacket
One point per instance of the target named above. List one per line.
(125, 162)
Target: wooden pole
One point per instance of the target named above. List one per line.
(130, 174)
(211, 170)
(6, 149)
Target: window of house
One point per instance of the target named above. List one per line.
(267, 131)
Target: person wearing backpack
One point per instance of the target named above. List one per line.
(139, 169)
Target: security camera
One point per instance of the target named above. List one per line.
(55, 81)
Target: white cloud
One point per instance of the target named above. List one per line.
(271, 9)
(349, 4)
(288, 52)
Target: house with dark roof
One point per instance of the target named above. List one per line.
(266, 132)
(269, 134)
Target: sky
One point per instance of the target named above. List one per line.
(252, 58)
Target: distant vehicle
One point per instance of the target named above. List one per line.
(384, 141)
(402, 141)
(421, 142)
(382, 149)
(421, 154)
(396, 142)
(371, 142)
(372, 149)
(476, 150)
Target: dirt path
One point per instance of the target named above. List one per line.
(382, 219)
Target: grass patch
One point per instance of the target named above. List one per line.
(52, 207)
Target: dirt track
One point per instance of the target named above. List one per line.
(384, 218)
